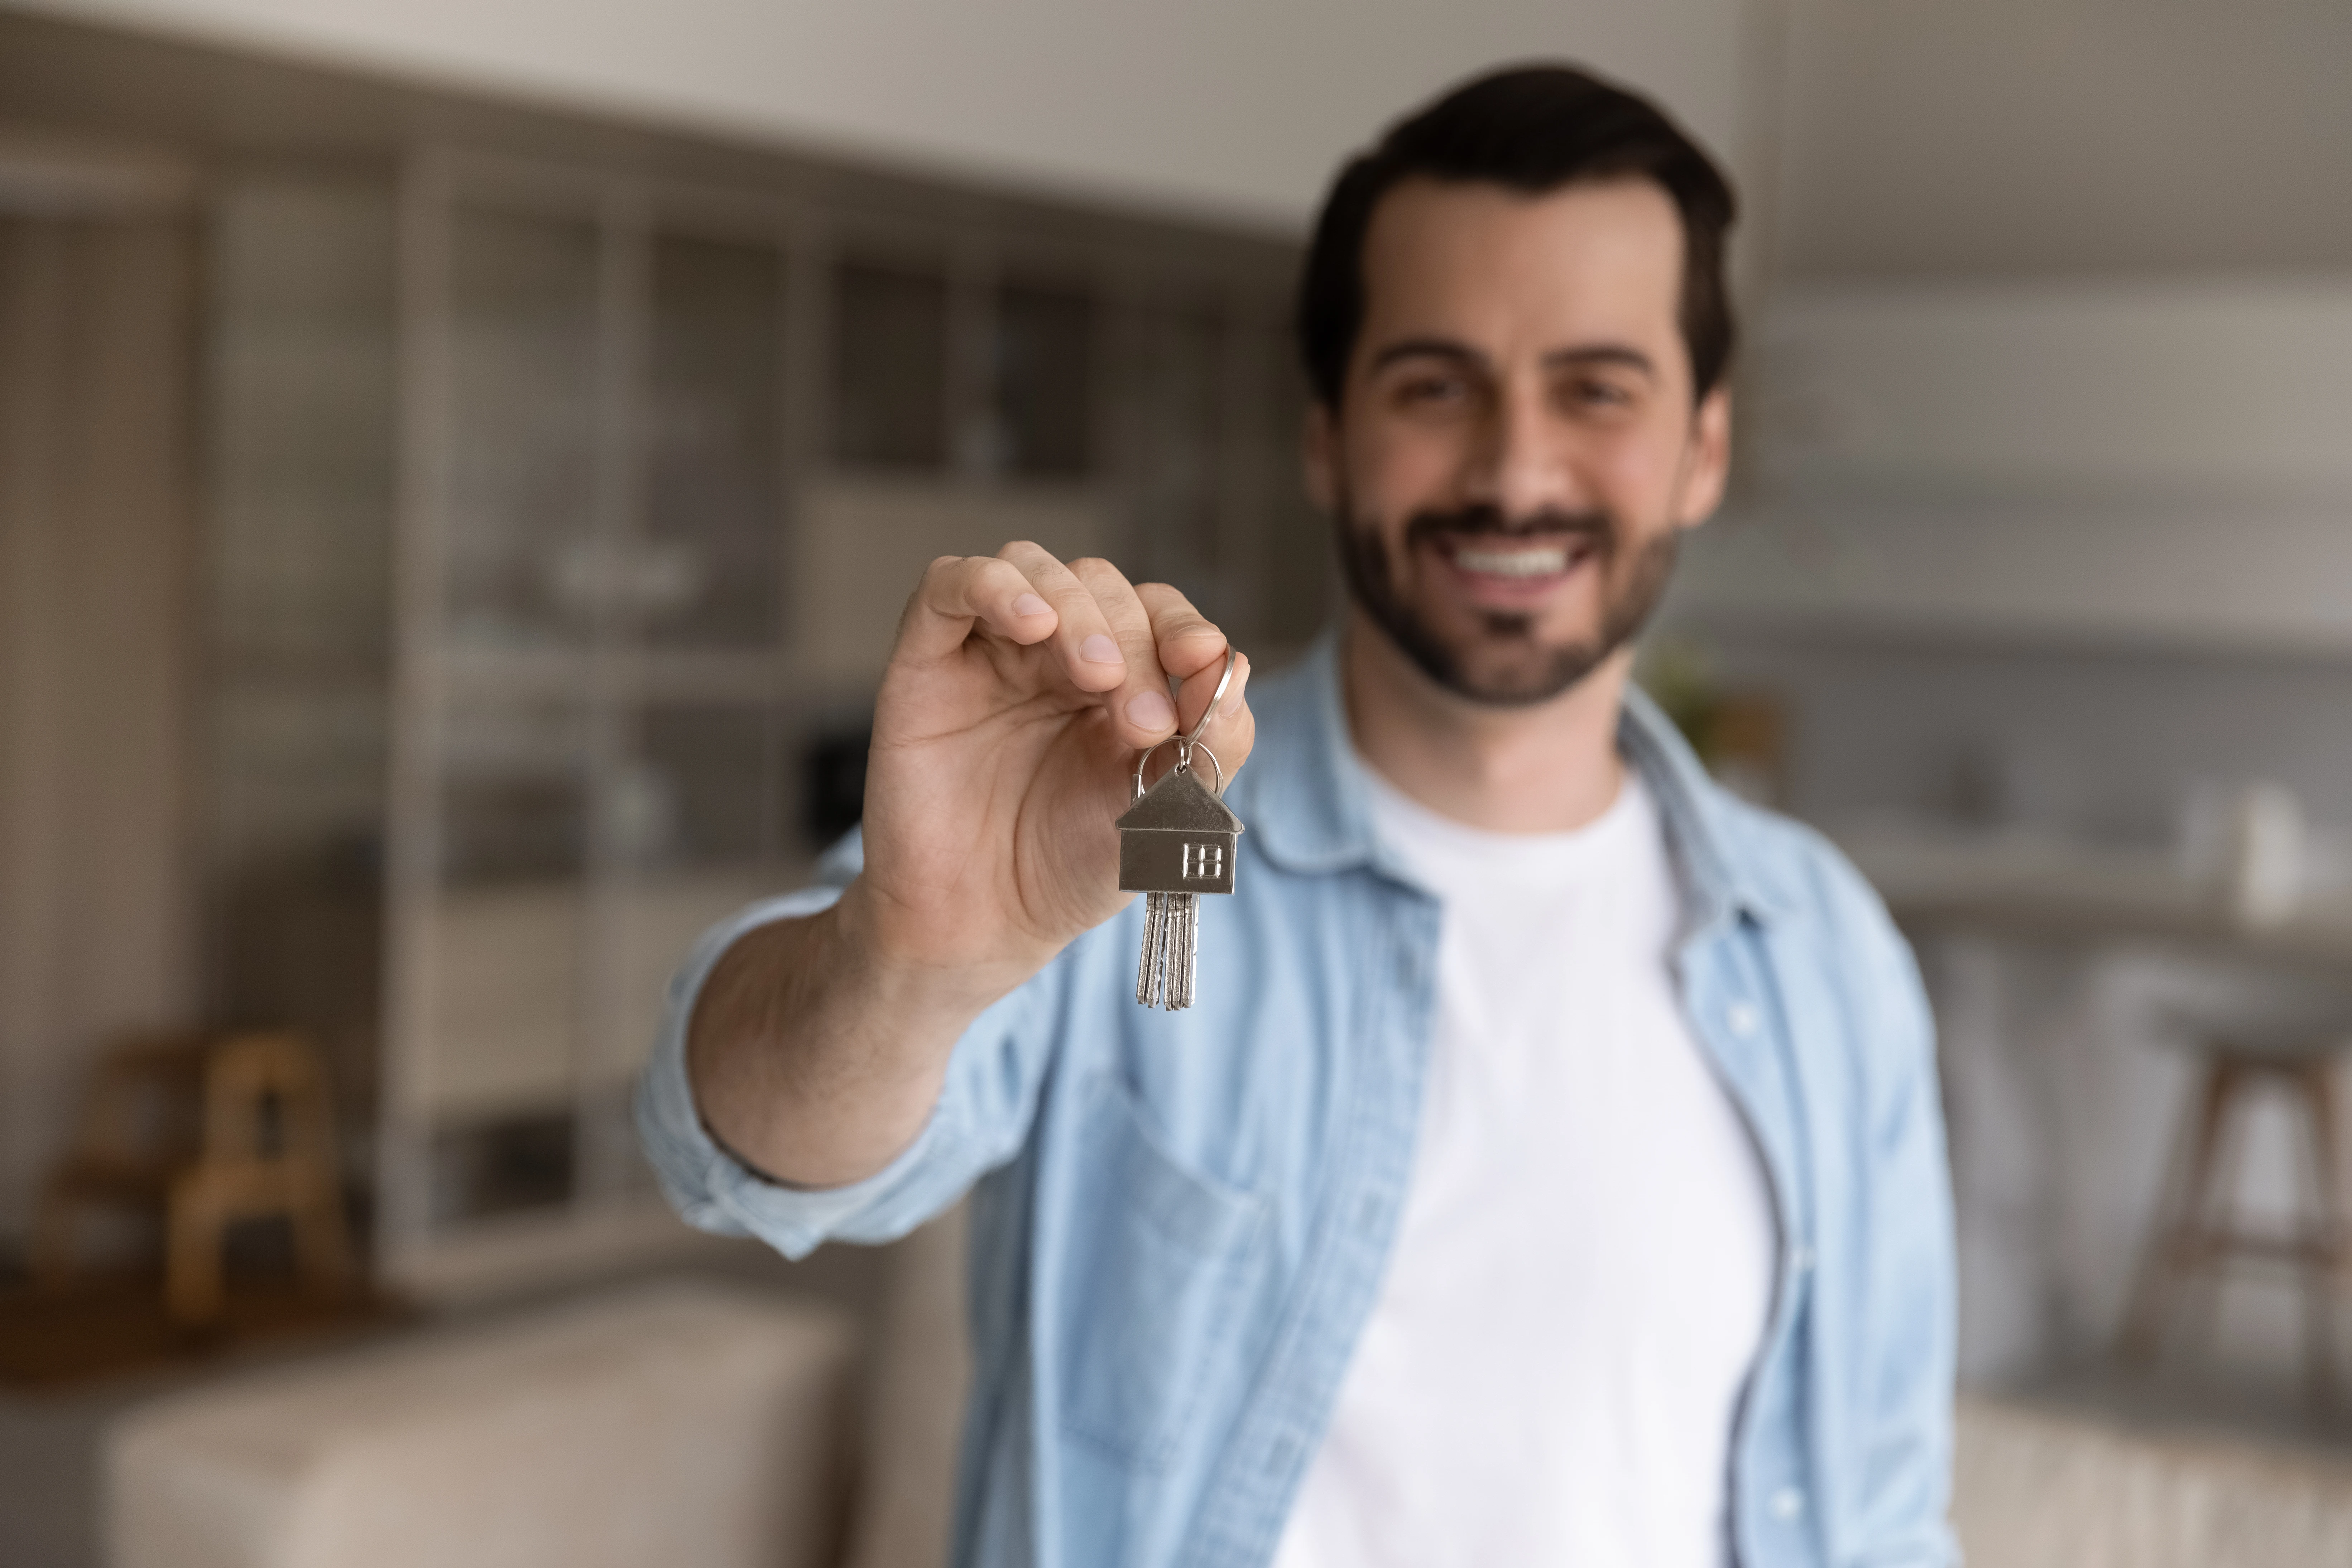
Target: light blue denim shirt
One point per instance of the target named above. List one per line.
(1180, 1219)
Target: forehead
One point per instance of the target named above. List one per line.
(1502, 269)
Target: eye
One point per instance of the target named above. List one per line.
(1430, 390)
(1599, 393)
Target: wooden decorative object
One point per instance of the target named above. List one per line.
(264, 1149)
(240, 1175)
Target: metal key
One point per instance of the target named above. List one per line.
(1177, 840)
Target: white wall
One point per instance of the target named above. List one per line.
(97, 917)
(2145, 456)
(2163, 385)
(2103, 136)
(1237, 107)
(2060, 340)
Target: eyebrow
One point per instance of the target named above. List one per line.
(1449, 349)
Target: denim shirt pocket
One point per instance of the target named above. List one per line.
(1157, 1256)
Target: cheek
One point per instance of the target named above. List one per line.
(1398, 470)
(1636, 476)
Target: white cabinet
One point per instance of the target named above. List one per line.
(671, 457)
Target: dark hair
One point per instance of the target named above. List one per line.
(1531, 129)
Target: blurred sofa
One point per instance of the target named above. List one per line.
(703, 1422)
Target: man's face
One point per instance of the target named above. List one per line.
(1515, 451)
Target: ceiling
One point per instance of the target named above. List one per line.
(2012, 136)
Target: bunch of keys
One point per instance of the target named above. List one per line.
(1176, 841)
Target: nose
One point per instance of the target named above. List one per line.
(1522, 466)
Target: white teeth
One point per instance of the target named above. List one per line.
(1513, 562)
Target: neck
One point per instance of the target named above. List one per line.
(1548, 767)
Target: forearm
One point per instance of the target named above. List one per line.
(814, 1058)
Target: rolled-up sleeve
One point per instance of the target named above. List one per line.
(980, 1120)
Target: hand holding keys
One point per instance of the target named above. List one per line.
(1020, 692)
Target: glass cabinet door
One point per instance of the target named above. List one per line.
(592, 652)
(710, 560)
(889, 382)
(1178, 434)
(523, 350)
(505, 926)
(1044, 392)
(696, 823)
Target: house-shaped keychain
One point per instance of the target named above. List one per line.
(1177, 838)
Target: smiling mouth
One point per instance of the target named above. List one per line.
(1535, 561)
(1515, 567)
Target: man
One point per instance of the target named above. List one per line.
(1550, 1172)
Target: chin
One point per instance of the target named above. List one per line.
(1499, 666)
(1525, 682)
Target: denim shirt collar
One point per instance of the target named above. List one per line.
(1307, 806)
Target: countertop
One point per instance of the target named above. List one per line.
(2044, 887)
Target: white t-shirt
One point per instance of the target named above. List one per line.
(1585, 1262)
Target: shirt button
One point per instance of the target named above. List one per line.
(1741, 1017)
(1786, 1504)
(1801, 1258)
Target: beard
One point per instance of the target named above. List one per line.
(1630, 588)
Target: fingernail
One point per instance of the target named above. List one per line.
(1100, 649)
(1151, 711)
(1030, 604)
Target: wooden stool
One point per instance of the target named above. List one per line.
(266, 1149)
(139, 1124)
(2197, 1235)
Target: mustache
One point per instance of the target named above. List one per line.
(1595, 526)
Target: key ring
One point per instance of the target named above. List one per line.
(1187, 744)
(1192, 740)
(1183, 762)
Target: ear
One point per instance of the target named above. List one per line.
(1707, 462)
(1319, 455)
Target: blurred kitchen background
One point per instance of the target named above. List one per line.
(459, 467)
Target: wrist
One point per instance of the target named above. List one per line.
(902, 979)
